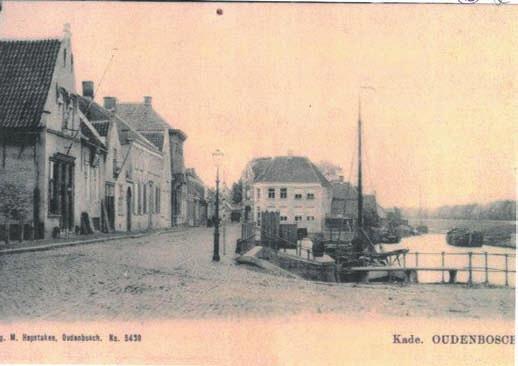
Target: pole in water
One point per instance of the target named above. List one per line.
(485, 268)
(470, 278)
(442, 264)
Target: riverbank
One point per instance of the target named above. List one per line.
(496, 233)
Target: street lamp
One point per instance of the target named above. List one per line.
(217, 156)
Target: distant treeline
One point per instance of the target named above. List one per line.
(498, 210)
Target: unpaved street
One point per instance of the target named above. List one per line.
(172, 276)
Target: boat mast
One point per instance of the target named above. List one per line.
(360, 188)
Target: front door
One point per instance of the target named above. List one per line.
(128, 209)
(110, 204)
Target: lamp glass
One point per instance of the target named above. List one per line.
(218, 157)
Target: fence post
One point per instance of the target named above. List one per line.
(416, 266)
(470, 278)
(442, 264)
(485, 268)
(506, 270)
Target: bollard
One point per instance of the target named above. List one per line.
(485, 268)
(470, 278)
(506, 270)
(442, 264)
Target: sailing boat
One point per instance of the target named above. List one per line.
(365, 253)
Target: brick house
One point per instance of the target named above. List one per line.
(291, 185)
(143, 118)
(47, 144)
(137, 185)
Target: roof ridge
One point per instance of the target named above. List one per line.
(14, 40)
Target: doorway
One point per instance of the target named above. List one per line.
(128, 209)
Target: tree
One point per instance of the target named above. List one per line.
(13, 206)
(237, 192)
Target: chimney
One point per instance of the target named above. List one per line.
(147, 101)
(110, 103)
(88, 89)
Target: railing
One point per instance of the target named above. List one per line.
(477, 262)
(247, 240)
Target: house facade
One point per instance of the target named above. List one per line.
(196, 202)
(137, 187)
(291, 185)
(143, 118)
(48, 145)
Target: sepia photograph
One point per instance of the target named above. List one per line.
(229, 183)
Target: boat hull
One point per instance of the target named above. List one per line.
(464, 238)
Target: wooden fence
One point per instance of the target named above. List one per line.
(475, 262)
(247, 240)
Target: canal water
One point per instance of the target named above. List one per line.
(430, 246)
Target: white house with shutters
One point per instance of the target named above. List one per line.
(291, 185)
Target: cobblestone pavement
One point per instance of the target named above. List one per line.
(171, 275)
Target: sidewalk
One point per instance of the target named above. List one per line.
(15, 247)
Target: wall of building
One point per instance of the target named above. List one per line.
(19, 168)
(141, 174)
(312, 211)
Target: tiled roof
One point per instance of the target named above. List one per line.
(157, 138)
(87, 132)
(102, 127)
(291, 169)
(344, 190)
(259, 165)
(26, 69)
(141, 116)
(95, 113)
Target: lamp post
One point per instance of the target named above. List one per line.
(217, 156)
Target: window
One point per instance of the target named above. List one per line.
(64, 57)
(258, 193)
(284, 218)
(115, 170)
(157, 199)
(120, 200)
(151, 198)
(258, 216)
(284, 192)
(271, 192)
(135, 198)
(310, 218)
(298, 218)
(53, 187)
(310, 196)
(140, 198)
(144, 197)
(298, 196)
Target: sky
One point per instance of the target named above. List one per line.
(267, 79)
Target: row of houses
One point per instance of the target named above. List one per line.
(69, 163)
(296, 188)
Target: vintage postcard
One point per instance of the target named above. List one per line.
(209, 183)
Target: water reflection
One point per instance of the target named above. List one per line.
(425, 245)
